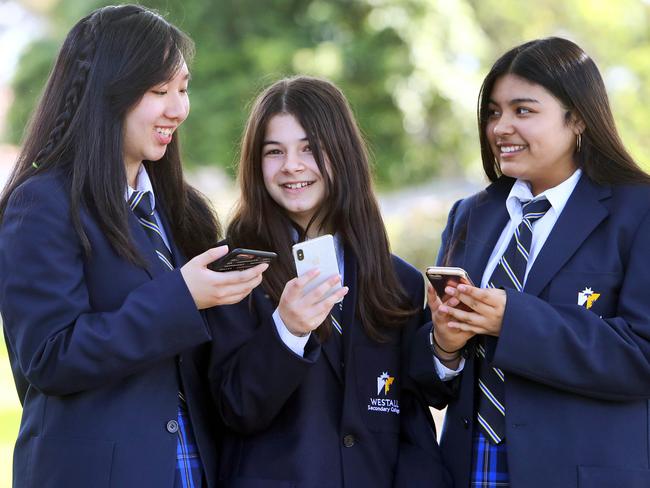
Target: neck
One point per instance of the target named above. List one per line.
(132, 170)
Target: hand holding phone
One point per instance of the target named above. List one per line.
(303, 312)
(211, 289)
(317, 253)
(240, 259)
(442, 276)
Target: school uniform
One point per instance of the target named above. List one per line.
(574, 345)
(345, 413)
(94, 343)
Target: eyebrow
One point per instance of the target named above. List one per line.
(304, 139)
(515, 101)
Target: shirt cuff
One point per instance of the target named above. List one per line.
(446, 374)
(295, 343)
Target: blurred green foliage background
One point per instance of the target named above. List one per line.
(411, 69)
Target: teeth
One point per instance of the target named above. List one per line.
(165, 132)
(509, 149)
(296, 186)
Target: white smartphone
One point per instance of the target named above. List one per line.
(317, 253)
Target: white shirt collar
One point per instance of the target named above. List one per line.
(142, 183)
(558, 195)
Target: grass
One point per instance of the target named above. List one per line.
(10, 412)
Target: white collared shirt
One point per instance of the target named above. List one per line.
(520, 192)
(143, 183)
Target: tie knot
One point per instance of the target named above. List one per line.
(140, 203)
(535, 209)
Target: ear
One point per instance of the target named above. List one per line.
(578, 124)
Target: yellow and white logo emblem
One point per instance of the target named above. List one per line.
(587, 297)
(383, 382)
(385, 403)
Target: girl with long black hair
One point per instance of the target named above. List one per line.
(555, 387)
(98, 300)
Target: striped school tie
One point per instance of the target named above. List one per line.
(335, 316)
(140, 203)
(509, 273)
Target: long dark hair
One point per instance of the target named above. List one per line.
(571, 76)
(106, 64)
(349, 208)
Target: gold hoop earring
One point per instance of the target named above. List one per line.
(578, 142)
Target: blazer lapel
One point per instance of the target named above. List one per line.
(485, 224)
(179, 258)
(581, 215)
(145, 246)
(334, 350)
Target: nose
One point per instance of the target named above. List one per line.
(293, 162)
(177, 107)
(503, 125)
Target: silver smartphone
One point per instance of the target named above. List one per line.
(317, 253)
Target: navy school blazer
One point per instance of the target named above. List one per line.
(577, 377)
(322, 420)
(93, 344)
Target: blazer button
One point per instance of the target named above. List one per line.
(349, 440)
(172, 426)
(466, 423)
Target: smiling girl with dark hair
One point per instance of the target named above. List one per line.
(555, 386)
(99, 303)
(312, 394)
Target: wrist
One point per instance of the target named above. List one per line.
(445, 356)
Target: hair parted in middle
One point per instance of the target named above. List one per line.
(349, 208)
(567, 72)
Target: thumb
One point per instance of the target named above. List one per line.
(210, 255)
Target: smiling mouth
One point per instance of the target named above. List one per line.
(511, 148)
(297, 186)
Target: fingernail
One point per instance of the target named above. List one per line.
(443, 309)
(450, 290)
(462, 288)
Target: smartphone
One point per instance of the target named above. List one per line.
(240, 259)
(441, 276)
(317, 253)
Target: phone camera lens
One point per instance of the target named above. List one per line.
(300, 254)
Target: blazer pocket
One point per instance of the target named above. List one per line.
(378, 386)
(57, 462)
(599, 477)
(597, 292)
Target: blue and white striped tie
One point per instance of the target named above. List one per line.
(509, 273)
(140, 203)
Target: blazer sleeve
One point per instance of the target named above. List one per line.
(573, 349)
(60, 344)
(252, 372)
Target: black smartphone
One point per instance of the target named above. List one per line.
(441, 276)
(240, 259)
